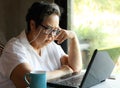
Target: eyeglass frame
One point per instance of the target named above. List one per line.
(49, 30)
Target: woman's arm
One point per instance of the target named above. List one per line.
(64, 70)
(17, 75)
(74, 58)
(74, 54)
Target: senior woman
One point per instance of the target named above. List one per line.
(35, 49)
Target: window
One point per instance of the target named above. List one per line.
(97, 24)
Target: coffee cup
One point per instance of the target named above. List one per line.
(36, 79)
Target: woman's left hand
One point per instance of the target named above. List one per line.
(63, 35)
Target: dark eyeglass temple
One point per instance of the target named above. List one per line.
(43, 26)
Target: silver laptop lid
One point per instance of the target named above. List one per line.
(100, 68)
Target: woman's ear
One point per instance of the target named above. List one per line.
(32, 25)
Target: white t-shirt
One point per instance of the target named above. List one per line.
(18, 50)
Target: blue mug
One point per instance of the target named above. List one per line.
(36, 79)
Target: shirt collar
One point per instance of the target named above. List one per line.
(23, 39)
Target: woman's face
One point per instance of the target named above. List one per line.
(45, 37)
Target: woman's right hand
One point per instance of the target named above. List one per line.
(66, 69)
(63, 71)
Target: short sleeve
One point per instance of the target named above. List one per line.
(59, 50)
(55, 53)
(12, 56)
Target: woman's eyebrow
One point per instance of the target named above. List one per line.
(53, 26)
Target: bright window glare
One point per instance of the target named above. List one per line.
(97, 23)
(94, 15)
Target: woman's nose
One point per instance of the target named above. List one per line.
(51, 36)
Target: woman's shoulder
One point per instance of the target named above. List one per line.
(13, 44)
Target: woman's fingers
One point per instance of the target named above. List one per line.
(61, 36)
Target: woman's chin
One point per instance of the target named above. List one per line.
(47, 41)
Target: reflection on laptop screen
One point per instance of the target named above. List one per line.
(115, 55)
(113, 52)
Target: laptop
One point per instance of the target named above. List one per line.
(99, 69)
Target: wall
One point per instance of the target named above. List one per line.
(63, 20)
(12, 17)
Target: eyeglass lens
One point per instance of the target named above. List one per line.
(49, 30)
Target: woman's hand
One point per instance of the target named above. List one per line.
(63, 35)
(66, 69)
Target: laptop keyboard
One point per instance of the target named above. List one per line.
(74, 81)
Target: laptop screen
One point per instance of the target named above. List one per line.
(113, 52)
(100, 68)
(115, 55)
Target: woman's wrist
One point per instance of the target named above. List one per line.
(66, 70)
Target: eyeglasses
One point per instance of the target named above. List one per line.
(49, 30)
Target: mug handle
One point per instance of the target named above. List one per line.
(26, 80)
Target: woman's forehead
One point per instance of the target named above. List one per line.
(52, 20)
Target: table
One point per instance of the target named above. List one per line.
(109, 83)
